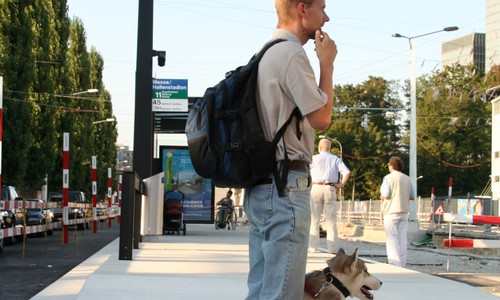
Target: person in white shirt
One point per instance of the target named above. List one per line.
(396, 192)
(328, 173)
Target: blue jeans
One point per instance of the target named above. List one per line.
(279, 237)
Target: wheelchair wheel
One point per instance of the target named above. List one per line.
(234, 220)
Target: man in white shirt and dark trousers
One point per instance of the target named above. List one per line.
(326, 171)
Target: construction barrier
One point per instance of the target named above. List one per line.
(471, 243)
(471, 219)
(20, 230)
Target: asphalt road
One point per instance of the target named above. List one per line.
(45, 259)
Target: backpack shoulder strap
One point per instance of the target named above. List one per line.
(281, 170)
(258, 56)
(295, 113)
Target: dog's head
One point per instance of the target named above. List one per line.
(353, 273)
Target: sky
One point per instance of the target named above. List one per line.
(204, 39)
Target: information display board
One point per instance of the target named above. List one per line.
(180, 176)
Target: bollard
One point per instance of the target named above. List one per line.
(131, 190)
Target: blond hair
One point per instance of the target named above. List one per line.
(285, 9)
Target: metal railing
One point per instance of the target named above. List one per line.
(370, 211)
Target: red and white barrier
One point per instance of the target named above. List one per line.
(7, 205)
(471, 219)
(471, 243)
(65, 195)
(110, 182)
(120, 199)
(20, 230)
(1, 129)
(94, 194)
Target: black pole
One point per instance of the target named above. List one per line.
(127, 216)
(143, 121)
(137, 214)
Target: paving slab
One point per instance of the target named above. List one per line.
(213, 264)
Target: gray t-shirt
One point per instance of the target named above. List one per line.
(286, 80)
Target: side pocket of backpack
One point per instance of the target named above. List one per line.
(197, 133)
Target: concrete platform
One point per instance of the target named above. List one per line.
(213, 264)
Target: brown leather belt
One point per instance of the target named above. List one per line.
(298, 165)
(324, 183)
(294, 165)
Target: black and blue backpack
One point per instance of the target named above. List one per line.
(224, 134)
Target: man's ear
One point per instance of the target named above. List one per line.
(301, 9)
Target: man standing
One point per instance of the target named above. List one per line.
(326, 171)
(396, 192)
(279, 230)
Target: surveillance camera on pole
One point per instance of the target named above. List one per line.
(162, 57)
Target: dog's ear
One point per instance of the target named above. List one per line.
(353, 260)
(341, 251)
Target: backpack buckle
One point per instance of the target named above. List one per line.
(235, 146)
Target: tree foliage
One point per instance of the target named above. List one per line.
(453, 131)
(366, 126)
(44, 61)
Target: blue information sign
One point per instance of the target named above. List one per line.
(170, 95)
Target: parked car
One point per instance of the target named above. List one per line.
(8, 220)
(38, 216)
(73, 212)
(33, 216)
(9, 193)
(1, 244)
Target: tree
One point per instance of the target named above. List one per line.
(104, 134)
(44, 60)
(17, 65)
(50, 53)
(453, 131)
(369, 134)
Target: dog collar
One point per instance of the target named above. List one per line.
(336, 282)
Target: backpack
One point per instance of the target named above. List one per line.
(225, 138)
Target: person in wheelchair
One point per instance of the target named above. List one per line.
(226, 208)
(227, 201)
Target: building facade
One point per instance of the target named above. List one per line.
(464, 51)
(124, 158)
(495, 148)
(492, 33)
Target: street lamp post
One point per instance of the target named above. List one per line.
(413, 104)
(104, 121)
(89, 91)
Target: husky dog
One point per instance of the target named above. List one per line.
(345, 276)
